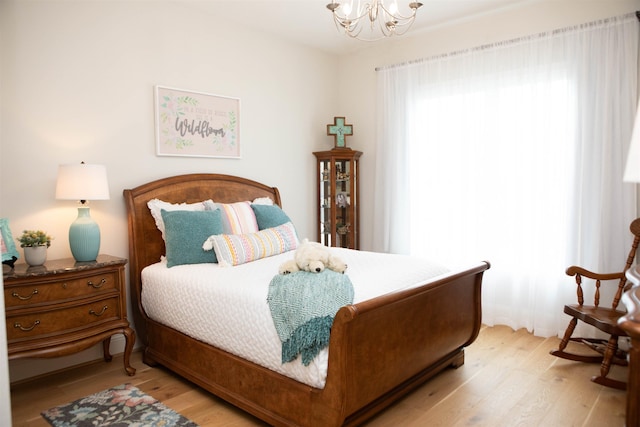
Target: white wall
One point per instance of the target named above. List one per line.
(76, 84)
(358, 76)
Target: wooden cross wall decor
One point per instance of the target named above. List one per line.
(340, 131)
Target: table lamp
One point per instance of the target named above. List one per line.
(632, 170)
(83, 182)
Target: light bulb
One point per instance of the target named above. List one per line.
(393, 8)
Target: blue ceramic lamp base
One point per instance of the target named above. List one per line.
(84, 236)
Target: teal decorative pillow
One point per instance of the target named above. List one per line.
(156, 206)
(236, 249)
(184, 233)
(269, 216)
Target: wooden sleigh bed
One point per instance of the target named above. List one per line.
(379, 349)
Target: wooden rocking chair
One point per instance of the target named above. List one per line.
(603, 318)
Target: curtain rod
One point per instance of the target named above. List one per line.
(508, 42)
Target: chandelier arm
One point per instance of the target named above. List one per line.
(398, 15)
(350, 24)
(349, 32)
(346, 18)
(354, 35)
(402, 25)
(399, 29)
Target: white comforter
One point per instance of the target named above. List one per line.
(227, 306)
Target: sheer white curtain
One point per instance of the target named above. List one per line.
(513, 153)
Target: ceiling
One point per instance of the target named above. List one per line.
(309, 21)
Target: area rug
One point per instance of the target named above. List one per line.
(123, 405)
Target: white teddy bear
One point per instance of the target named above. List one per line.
(313, 257)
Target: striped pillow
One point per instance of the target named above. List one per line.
(238, 218)
(236, 249)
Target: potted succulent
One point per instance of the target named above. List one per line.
(35, 244)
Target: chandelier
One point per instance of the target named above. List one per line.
(375, 14)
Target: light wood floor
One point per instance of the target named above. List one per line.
(508, 379)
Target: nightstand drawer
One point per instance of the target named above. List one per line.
(52, 292)
(62, 320)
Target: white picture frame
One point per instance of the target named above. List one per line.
(196, 124)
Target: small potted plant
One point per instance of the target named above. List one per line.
(35, 244)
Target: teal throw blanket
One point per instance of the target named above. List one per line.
(303, 306)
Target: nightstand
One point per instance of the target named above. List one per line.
(65, 306)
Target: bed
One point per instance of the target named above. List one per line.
(379, 349)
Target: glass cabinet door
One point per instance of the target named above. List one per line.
(344, 214)
(325, 202)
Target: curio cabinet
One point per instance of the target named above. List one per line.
(338, 213)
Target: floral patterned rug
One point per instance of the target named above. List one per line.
(123, 405)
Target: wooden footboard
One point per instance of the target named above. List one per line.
(379, 349)
(383, 348)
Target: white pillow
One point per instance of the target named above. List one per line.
(156, 206)
(262, 201)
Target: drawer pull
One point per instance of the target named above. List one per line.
(101, 312)
(19, 326)
(99, 285)
(28, 297)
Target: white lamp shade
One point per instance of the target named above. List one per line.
(82, 182)
(632, 170)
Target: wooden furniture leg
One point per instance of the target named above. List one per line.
(105, 349)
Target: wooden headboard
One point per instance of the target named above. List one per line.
(145, 240)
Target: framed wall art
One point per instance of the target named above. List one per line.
(7, 245)
(196, 124)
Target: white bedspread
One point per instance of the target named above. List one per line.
(227, 306)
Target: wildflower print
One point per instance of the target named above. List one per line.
(196, 124)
